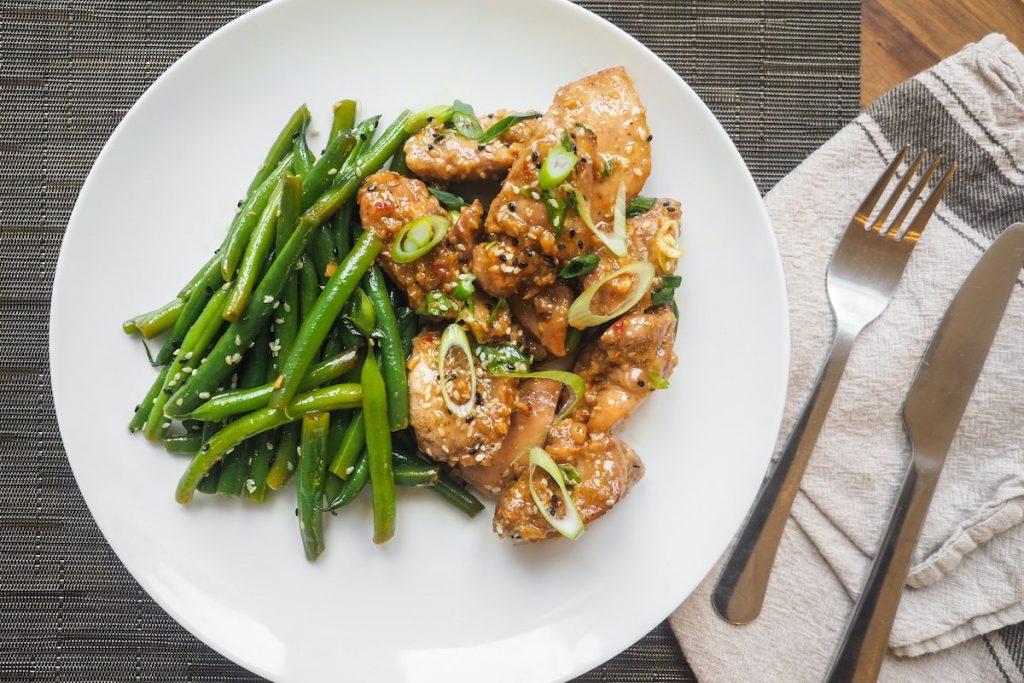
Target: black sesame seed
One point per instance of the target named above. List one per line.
(295, 135)
(480, 148)
(206, 447)
(529, 252)
(362, 136)
(549, 260)
(641, 383)
(649, 138)
(512, 207)
(209, 290)
(430, 148)
(503, 258)
(561, 245)
(534, 157)
(515, 241)
(572, 233)
(664, 203)
(579, 243)
(137, 406)
(430, 119)
(671, 209)
(239, 203)
(469, 419)
(175, 344)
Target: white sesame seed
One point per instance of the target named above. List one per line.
(227, 360)
(287, 308)
(188, 356)
(279, 321)
(238, 340)
(535, 195)
(479, 457)
(276, 304)
(332, 171)
(270, 445)
(250, 486)
(290, 466)
(176, 352)
(348, 470)
(166, 425)
(268, 299)
(298, 450)
(204, 395)
(179, 402)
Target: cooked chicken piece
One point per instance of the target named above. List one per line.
(607, 468)
(531, 419)
(652, 238)
(545, 316)
(438, 155)
(387, 201)
(445, 437)
(617, 367)
(607, 124)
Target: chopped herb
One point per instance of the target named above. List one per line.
(464, 121)
(439, 305)
(556, 212)
(639, 205)
(464, 289)
(502, 305)
(503, 358)
(498, 128)
(581, 265)
(569, 474)
(451, 202)
(608, 168)
(666, 290)
(657, 381)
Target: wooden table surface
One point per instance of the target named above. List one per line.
(902, 37)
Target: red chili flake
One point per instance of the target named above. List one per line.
(382, 205)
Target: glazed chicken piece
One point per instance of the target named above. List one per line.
(437, 155)
(533, 413)
(446, 437)
(607, 468)
(606, 123)
(387, 201)
(617, 367)
(545, 315)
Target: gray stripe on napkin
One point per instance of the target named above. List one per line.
(981, 191)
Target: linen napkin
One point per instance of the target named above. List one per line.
(967, 578)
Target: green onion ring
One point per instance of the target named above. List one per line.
(571, 526)
(455, 336)
(557, 166)
(417, 237)
(581, 316)
(615, 240)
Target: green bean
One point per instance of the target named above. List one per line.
(155, 322)
(326, 309)
(407, 327)
(398, 164)
(409, 474)
(189, 357)
(446, 487)
(378, 449)
(143, 409)
(325, 170)
(344, 117)
(342, 232)
(312, 464)
(392, 354)
(235, 468)
(256, 251)
(343, 218)
(339, 425)
(208, 484)
(183, 444)
(352, 443)
(198, 280)
(255, 488)
(337, 397)
(303, 158)
(241, 401)
(282, 144)
(189, 314)
(210, 374)
(286, 457)
(245, 220)
(353, 485)
(309, 287)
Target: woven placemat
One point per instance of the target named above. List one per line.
(782, 77)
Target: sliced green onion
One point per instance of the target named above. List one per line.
(639, 205)
(417, 237)
(608, 168)
(557, 166)
(556, 211)
(465, 288)
(570, 526)
(616, 240)
(503, 358)
(502, 305)
(464, 120)
(582, 316)
(438, 304)
(665, 291)
(657, 381)
(441, 113)
(580, 265)
(455, 336)
(572, 477)
(451, 202)
(498, 128)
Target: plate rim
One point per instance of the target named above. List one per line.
(580, 14)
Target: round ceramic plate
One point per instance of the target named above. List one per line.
(446, 600)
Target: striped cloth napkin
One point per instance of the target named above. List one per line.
(967, 580)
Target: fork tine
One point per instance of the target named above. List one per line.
(876, 192)
(921, 219)
(879, 224)
(894, 229)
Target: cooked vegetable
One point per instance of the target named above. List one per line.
(183, 444)
(155, 322)
(392, 353)
(580, 265)
(465, 288)
(451, 202)
(454, 337)
(464, 120)
(503, 358)
(498, 128)
(438, 304)
(581, 315)
(351, 445)
(666, 290)
(418, 237)
(344, 117)
(557, 166)
(417, 475)
(310, 487)
(571, 524)
(569, 379)
(616, 240)
(378, 449)
(639, 205)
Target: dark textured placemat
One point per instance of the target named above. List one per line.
(782, 75)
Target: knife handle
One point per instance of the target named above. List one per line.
(866, 640)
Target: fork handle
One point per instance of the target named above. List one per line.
(741, 586)
(864, 644)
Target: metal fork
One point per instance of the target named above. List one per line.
(862, 276)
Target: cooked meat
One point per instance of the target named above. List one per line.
(446, 437)
(545, 315)
(616, 367)
(437, 155)
(607, 124)
(387, 201)
(607, 467)
(489, 322)
(534, 411)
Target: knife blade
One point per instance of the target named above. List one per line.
(932, 411)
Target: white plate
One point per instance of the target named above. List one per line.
(445, 600)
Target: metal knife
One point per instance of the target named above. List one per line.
(935, 403)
